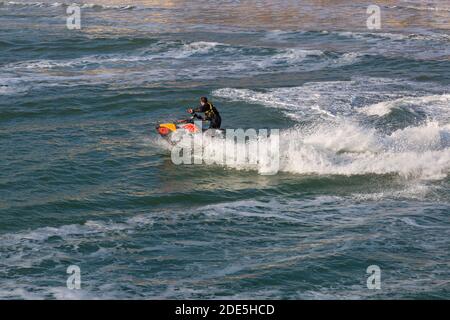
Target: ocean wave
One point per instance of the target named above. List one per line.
(415, 190)
(287, 99)
(28, 4)
(184, 51)
(296, 55)
(77, 63)
(348, 149)
(337, 141)
(361, 95)
(61, 246)
(178, 60)
(422, 8)
(99, 6)
(64, 4)
(90, 231)
(143, 55)
(385, 44)
(195, 48)
(11, 86)
(117, 261)
(434, 105)
(283, 36)
(394, 36)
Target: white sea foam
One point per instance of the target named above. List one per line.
(350, 150)
(393, 36)
(287, 56)
(119, 7)
(219, 60)
(423, 8)
(342, 145)
(417, 190)
(182, 52)
(413, 46)
(328, 98)
(340, 97)
(294, 55)
(432, 104)
(346, 148)
(285, 36)
(76, 63)
(195, 48)
(91, 230)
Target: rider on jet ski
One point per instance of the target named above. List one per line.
(211, 113)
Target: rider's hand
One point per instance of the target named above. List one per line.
(190, 110)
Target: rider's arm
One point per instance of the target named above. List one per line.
(201, 108)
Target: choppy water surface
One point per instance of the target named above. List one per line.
(364, 153)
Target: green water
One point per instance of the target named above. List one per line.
(364, 151)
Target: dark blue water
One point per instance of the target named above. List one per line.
(364, 150)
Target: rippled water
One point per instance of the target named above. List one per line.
(364, 153)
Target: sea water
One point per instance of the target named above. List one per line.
(364, 155)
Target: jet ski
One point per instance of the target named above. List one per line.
(170, 129)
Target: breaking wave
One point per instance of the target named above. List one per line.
(437, 104)
(339, 139)
(346, 148)
(342, 98)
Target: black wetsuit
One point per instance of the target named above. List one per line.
(211, 115)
